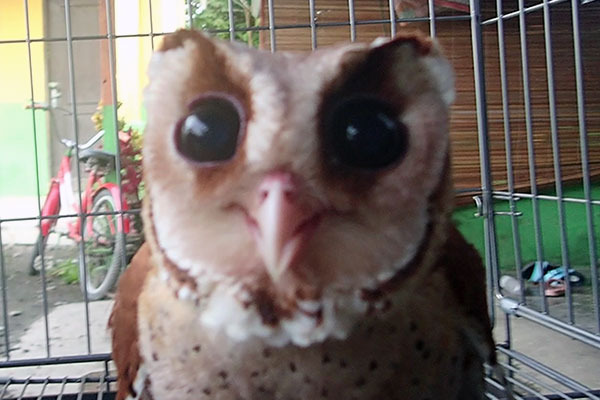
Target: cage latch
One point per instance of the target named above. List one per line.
(481, 213)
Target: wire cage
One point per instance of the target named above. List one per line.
(525, 131)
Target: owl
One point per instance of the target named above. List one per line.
(298, 234)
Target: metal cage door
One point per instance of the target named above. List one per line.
(537, 113)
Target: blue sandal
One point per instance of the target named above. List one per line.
(537, 271)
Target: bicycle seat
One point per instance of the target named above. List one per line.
(100, 155)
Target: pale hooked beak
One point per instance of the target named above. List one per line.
(280, 222)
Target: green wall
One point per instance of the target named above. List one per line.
(472, 228)
(17, 151)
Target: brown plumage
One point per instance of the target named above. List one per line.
(123, 320)
(298, 235)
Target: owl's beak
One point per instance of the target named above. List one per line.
(283, 223)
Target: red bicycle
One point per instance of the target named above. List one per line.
(103, 229)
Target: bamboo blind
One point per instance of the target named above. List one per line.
(455, 37)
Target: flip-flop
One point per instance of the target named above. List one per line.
(537, 271)
(534, 271)
(575, 278)
(554, 288)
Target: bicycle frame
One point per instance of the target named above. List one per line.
(61, 201)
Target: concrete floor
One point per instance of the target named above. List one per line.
(570, 357)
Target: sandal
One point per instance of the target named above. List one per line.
(554, 288)
(537, 271)
(575, 278)
(534, 271)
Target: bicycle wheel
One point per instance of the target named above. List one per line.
(35, 263)
(103, 248)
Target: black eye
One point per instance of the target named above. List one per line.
(366, 133)
(209, 133)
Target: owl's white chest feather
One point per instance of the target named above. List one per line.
(226, 308)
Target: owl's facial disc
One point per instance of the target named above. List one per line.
(281, 223)
(282, 186)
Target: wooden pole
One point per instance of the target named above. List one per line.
(106, 95)
(107, 100)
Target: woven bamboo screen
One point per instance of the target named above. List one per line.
(565, 94)
(455, 37)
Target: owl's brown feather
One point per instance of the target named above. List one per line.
(466, 276)
(123, 321)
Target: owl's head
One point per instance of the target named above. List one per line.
(281, 187)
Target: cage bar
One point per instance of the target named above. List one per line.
(583, 141)
(37, 178)
(556, 156)
(508, 147)
(392, 18)
(71, 66)
(352, 20)
(531, 145)
(313, 24)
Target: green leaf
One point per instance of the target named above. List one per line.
(213, 15)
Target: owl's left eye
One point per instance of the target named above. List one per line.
(365, 133)
(210, 132)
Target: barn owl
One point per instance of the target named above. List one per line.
(299, 244)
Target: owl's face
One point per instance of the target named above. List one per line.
(292, 180)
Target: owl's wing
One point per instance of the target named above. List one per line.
(123, 322)
(465, 274)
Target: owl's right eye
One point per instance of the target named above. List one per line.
(210, 132)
